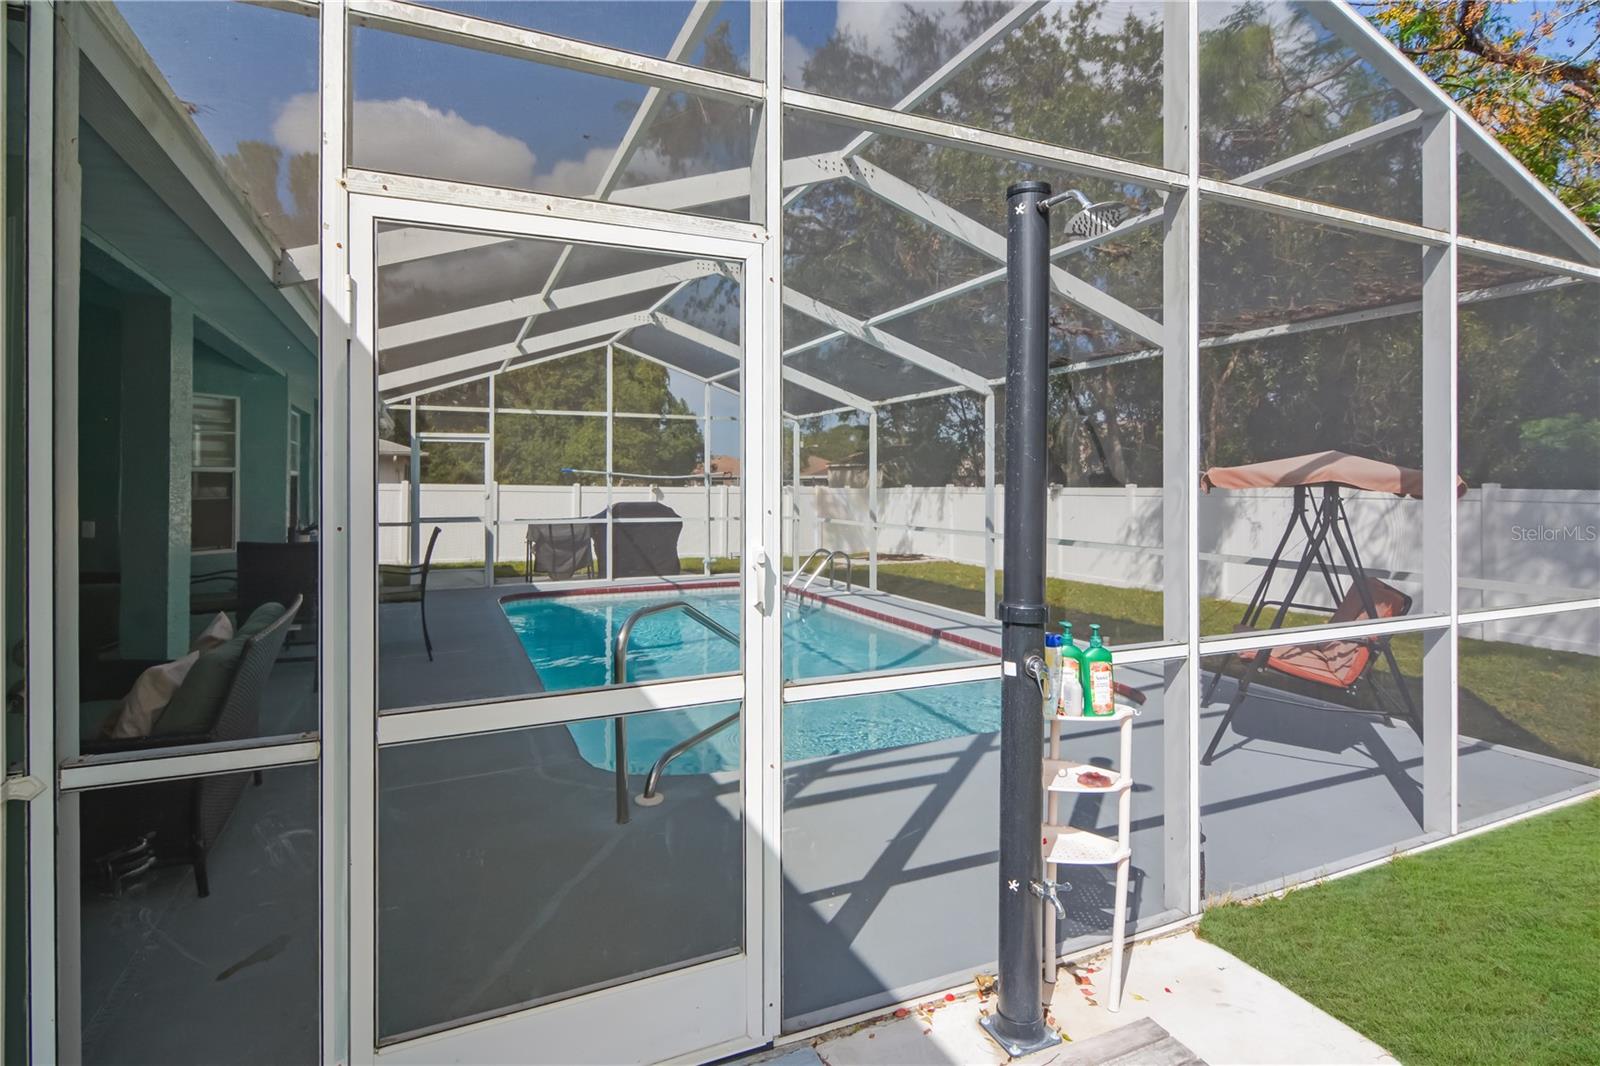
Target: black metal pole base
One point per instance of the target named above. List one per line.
(1022, 1043)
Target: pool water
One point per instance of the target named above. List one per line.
(569, 639)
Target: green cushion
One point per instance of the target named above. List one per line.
(260, 618)
(194, 707)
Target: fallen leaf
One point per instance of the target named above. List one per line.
(1137, 996)
(1092, 1003)
(949, 997)
(901, 1012)
(1166, 990)
(1081, 978)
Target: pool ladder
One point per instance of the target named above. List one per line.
(619, 725)
(825, 559)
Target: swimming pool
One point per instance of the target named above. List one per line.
(568, 640)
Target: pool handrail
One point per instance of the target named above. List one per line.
(649, 797)
(619, 676)
(800, 570)
(830, 559)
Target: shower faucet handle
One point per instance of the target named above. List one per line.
(1047, 890)
(1035, 668)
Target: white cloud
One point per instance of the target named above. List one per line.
(795, 57)
(403, 134)
(413, 136)
(874, 21)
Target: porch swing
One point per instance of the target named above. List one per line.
(1345, 664)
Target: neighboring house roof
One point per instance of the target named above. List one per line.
(722, 466)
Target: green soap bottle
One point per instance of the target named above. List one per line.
(1071, 704)
(1098, 693)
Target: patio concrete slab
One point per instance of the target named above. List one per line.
(878, 844)
(1224, 1009)
(1211, 1005)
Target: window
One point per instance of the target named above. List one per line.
(214, 481)
(294, 469)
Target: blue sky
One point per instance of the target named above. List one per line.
(250, 73)
(242, 67)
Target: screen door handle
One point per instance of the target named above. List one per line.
(761, 577)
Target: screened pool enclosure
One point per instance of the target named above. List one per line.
(503, 500)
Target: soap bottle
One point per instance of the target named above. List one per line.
(1054, 673)
(1098, 691)
(1069, 703)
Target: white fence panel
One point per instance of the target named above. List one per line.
(1517, 545)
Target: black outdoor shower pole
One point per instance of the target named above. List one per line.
(1019, 1025)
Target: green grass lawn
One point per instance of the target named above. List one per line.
(1532, 699)
(1482, 951)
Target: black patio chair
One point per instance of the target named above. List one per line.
(398, 583)
(276, 572)
(559, 549)
(127, 830)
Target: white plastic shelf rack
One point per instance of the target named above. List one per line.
(1063, 775)
(1069, 845)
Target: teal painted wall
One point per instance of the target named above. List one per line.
(99, 427)
(263, 482)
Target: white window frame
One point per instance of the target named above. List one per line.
(293, 485)
(233, 469)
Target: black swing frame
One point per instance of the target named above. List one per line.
(1318, 519)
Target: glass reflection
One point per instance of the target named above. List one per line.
(442, 111)
(197, 481)
(199, 926)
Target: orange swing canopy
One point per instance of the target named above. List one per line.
(1321, 468)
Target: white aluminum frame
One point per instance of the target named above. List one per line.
(568, 1028)
(351, 730)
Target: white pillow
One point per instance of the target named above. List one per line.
(218, 631)
(149, 697)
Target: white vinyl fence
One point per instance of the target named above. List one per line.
(1518, 545)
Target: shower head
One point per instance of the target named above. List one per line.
(1095, 219)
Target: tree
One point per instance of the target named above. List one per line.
(256, 165)
(1534, 82)
(538, 449)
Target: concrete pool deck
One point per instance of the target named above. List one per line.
(877, 843)
(504, 878)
